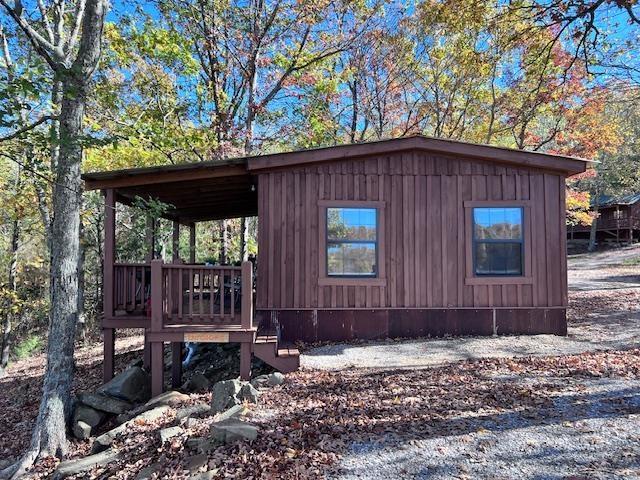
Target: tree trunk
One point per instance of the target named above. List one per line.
(82, 325)
(594, 229)
(49, 433)
(11, 284)
(244, 235)
(224, 242)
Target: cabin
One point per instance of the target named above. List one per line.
(408, 237)
(618, 220)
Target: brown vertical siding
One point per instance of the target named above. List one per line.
(425, 233)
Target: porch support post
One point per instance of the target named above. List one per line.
(192, 242)
(246, 311)
(146, 353)
(175, 242)
(176, 364)
(157, 357)
(157, 368)
(150, 239)
(107, 282)
(245, 361)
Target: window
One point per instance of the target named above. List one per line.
(497, 241)
(352, 243)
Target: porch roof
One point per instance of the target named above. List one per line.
(226, 189)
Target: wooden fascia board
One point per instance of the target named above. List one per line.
(123, 180)
(521, 158)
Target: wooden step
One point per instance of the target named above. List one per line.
(283, 357)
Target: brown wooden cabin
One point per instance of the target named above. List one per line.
(618, 220)
(406, 237)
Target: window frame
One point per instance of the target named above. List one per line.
(471, 277)
(497, 241)
(377, 279)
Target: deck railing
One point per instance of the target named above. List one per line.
(132, 287)
(185, 294)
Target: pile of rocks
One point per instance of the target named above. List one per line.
(123, 399)
(213, 362)
(120, 395)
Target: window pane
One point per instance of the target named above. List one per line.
(351, 224)
(498, 223)
(351, 259)
(503, 258)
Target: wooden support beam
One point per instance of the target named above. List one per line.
(156, 296)
(108, 363)
(175, 242)
(157, 368)
(176, 364)
(246, 307)
(107, 280)
(245, 361)
(192, 242)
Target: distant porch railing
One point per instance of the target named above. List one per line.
(185, 294)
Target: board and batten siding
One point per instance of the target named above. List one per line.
(426, 233)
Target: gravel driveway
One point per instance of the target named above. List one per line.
(588, 433)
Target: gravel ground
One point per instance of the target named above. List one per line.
(592, 431)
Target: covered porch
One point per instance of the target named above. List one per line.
(177, 300)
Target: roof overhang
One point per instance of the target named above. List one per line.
(226, 189)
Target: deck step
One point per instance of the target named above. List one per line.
(282, 357)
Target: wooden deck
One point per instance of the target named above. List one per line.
(180, 302)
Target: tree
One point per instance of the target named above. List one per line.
(72, 52)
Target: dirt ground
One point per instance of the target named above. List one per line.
(540, 411)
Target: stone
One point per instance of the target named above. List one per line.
(225, 395)
(231, 430)
(171, 398)
(88, 415)
(81, 465)
(147, 472)
(276, 378)
(248, 394)
(81, 430)
(192, 410)
(196, 462)
(191, 422)
(105, 440)
(170, 432)
(105, 403)
(197, 383)
(132, 385)
(232, 412)
(260, 381)
(203, 475)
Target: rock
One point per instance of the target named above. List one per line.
(260, 381)
(132, 385)
(171, 398)
(105, 440)
(170, 432)
(197, 383)
(248, 393)
(105, 403)
(196, 462)
(276, 378)
(233, 412)
(81, 430)
(225, 395)
(191, 422)
(81, 465)
(147, 472)
(203, 475)
(192, 410)
(231, 430)
(88, 415)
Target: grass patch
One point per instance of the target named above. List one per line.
(630, 262)
(27, 347)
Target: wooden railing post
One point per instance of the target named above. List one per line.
(247, 295)
(108, 281)
(156, 295)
